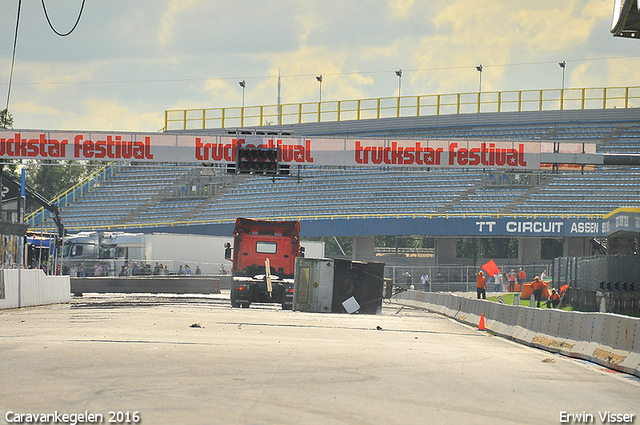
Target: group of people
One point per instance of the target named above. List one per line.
(537, 286)
(142, 269)
(73, 271)
(159, 270)
(187, 270)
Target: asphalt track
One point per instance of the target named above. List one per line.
(195, 360)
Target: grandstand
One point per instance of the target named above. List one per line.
(143, 196)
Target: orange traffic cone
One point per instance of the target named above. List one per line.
(481, 324)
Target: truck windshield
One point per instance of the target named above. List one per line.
(266, 247)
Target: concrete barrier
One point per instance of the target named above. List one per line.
(148, 284)
(607, 339)
(24, 288)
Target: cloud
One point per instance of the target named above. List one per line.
(110, 115)
(170, 20)
(401, 8)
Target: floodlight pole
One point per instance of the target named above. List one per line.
(319, 78)
(399, 74)
(242, 84)
(479, 69)
(563, 65)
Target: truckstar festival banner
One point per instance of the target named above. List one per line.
(154, 147)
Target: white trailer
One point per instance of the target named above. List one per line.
(115, 249)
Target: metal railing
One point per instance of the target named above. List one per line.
(405, 106)
(41, 215)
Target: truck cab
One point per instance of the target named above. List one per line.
(264, 254)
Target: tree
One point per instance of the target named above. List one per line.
(51, 178)
(6, 120)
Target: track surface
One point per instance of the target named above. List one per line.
(195, 360)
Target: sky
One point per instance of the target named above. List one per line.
(127, 62)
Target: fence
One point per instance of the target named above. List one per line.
(618, 273)
(451, 278)
(386, 107)
(614, 279)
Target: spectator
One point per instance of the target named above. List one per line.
(187, 269)
(407, 277)
(543, 276)
(73, 272)
(180, 270)
(512, 281)
(156, 269)
(98, 270)
(424, 280)
(497, 282)
(81, 272)
(198, 271)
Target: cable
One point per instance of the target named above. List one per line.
(13, 56)
(51, 25)
(182, 80)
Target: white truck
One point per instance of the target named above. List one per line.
(112, 250)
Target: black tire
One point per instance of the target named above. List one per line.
(246, 304)
(235, 304)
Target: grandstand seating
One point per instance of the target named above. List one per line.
(142, 194)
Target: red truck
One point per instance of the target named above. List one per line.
(264, 254)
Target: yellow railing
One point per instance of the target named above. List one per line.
(405, 106)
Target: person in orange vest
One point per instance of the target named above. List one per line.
(537, 287)
(522, 277)
(482, 285)
(554, 299)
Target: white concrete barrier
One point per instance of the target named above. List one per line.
(24, 288)
(607, 339)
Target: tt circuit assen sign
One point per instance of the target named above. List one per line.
(154, 147)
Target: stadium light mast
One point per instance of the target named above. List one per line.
(242, 84)
(319, 78)
(479, 69)
(399, 74)
(563, 65)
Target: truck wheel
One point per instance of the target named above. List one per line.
(235, 304)
(286, 306)
(246, 304)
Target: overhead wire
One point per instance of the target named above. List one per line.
(13, 56)
(267, 77)
(51, 25)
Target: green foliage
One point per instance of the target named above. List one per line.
(6, 120)
(405, 241)
(51, 178)
(487, 248)
(551, 248)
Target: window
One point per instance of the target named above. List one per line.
(76, 250)
(266, 247)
